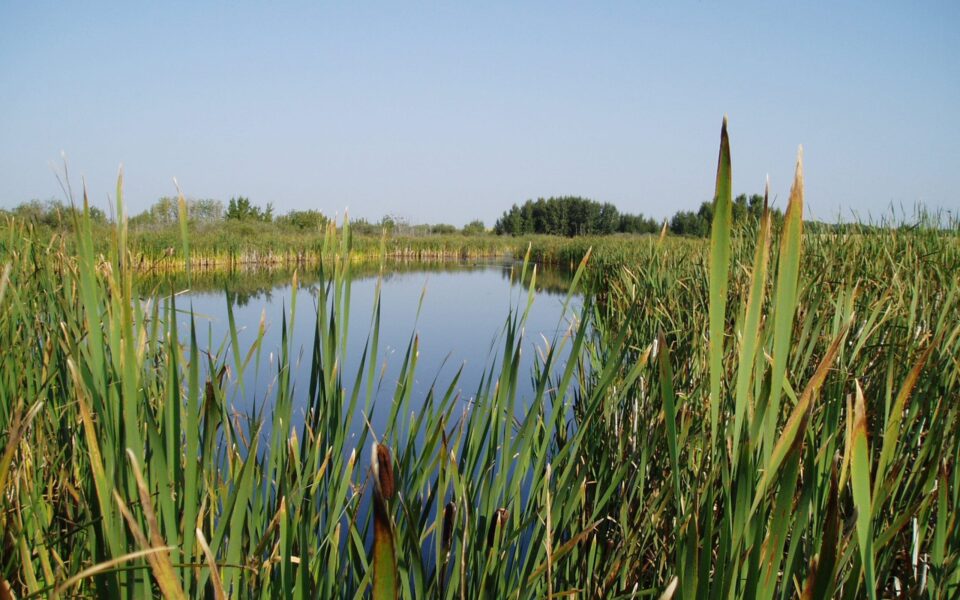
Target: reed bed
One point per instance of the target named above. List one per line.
(767, 415)
(246, 245)
(233, 245)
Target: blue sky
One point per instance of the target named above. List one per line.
(449, 112)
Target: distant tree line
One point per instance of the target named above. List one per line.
(52, 213)
(745, 210)
(165, 212)
(394, 225)
(241, 209)
(564, 216)
(572, 215)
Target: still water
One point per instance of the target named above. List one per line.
(462, 306)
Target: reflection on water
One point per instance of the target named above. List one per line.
(248, 283)
(457, 310)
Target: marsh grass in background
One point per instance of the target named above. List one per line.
(772, 415)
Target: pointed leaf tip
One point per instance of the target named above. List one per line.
(796, 190)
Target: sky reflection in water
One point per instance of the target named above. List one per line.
(465, 306)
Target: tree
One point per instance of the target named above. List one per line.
(205, 210)
(705, 217)
(755, 208)
(363, 227)
(164, 211)
(303, 219)
(685, 222)
(388, 224)
(442, 229)
(475, 227)
(745, 211)
(567, 215)
(740, 209)
(241, 209)
(608, 219)
(55, 214)
(637, 224)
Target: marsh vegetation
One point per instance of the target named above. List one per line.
(765, 414)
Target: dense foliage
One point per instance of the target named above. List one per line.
(165, 213)
(52, 214)
(304, 220)
(570, 216)
(241, 209)
(744, 210)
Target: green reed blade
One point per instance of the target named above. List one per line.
(785, 300)
(750, 335)
(719, 268)
(860, 481)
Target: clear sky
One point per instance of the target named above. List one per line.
(449, 112)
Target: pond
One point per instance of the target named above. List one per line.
(456, 309)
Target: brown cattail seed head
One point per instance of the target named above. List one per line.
(382, 470)
(209, 395)
(449, 519)
(499, 522)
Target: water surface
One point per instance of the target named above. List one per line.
(457, 311)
